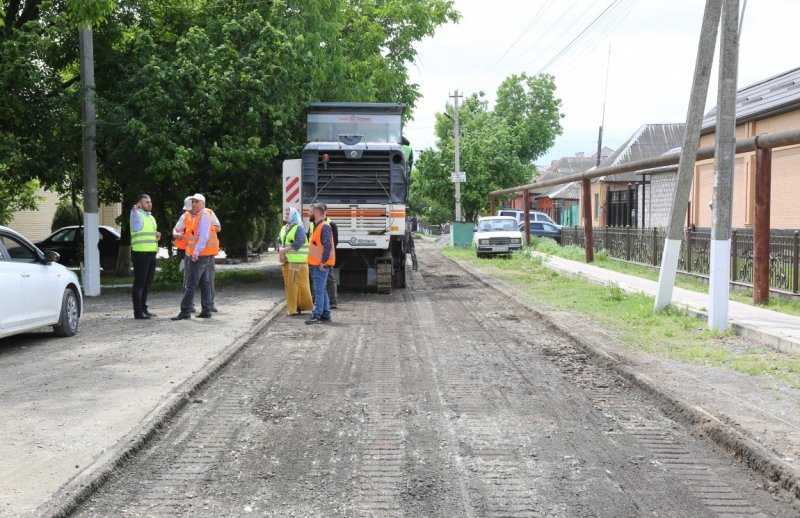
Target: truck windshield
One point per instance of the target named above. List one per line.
(327, 127)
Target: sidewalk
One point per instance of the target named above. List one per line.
(755, 418)
(778, 330)
(70, 408)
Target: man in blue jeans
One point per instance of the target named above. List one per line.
(321, 258)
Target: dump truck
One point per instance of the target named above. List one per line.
(357, 162)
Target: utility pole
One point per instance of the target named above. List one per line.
(91, 232)
(691, 141)
(457, 135)
(724, 163)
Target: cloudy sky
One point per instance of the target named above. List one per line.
(653, 44)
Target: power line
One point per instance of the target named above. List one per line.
(614, 4)
(552, 27)
(587, 45)
(528, 26)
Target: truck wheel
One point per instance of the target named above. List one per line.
(384, 277)
(68, 320)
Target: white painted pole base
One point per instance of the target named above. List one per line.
(668, 272)
(91, 254)
(719, 284)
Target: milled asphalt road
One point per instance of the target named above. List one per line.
(444, 399)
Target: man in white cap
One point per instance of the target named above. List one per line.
(182, 240)
(201, 249)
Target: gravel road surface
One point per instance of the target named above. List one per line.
(66, 404)
(444, 399)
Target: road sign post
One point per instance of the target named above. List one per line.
(459, 177)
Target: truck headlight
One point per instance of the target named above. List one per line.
(515, 241)
(483, 241)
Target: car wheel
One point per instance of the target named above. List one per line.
(68, 320)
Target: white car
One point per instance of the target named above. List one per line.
(35, 290)
(497, 235)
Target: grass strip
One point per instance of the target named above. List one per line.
(688, 282)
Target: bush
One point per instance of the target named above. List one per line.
(66, 215)
(169, 276)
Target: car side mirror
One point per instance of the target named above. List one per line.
(51, 257)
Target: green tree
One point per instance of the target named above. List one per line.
(497, 150)
(39, 117)
(21, 196)
(529, 106)
(195, 95)
(67, 213)
(212, 99)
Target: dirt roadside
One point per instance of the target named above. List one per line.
(754, 417)
(68, 405)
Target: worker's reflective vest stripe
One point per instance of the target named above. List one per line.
(315, 248)
(181, 244)
(212, 244)
(144, 240)
(287, 238)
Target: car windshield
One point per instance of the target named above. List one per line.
(66, 235)
(496, 225)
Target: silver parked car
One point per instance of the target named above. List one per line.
(35, 290)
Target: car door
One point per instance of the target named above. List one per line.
(41, 296)
(109, 247)
(11, 288)
(550, 230)
(64, 243)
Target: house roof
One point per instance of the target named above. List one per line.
(570, 191)
(650, 140)
(767, 98)
(564, 166)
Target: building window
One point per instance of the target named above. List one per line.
(596, 205)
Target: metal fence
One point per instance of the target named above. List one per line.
(644, 246)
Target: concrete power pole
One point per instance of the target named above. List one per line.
(694, 119)
(457, 136)
(725, 161)
(91, 232)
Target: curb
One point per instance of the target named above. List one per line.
(78, 489)
(699, 420)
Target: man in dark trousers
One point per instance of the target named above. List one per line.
(411, 250)
(144, 245)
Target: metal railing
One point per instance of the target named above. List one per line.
(643, 246)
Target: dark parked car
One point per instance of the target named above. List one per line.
(68, 243)
(541, 229)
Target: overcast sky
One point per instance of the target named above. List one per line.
(653, 48)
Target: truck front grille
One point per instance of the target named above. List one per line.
(346, 180)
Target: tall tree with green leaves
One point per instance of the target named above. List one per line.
(202, 95)
(498, 147)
